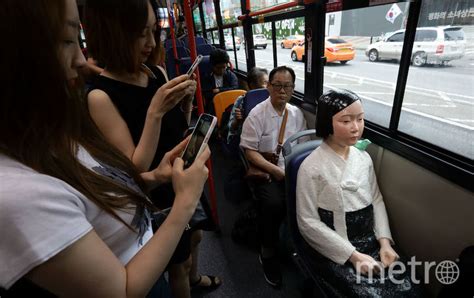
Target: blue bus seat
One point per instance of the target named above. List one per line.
(204, 49)
(294, 156)
(253, 98)
(184, 65)
(204, 66)
(182, 52)
(200, 40)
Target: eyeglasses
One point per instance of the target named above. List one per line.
(278, 87)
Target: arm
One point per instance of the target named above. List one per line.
(250, 141)
(258, 160)
(235, 118)
(87, 268)
(116, 132)
(322, 238)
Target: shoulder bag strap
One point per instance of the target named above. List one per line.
(282, 132)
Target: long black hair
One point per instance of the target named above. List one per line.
(42, 119)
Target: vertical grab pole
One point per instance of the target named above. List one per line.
(173, 37)
(192, 48)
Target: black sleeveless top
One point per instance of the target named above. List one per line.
(132, 102)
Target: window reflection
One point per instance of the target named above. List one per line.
(230, 11)
(438, 101)
(290, 47)
(363, 47)
(209, 14)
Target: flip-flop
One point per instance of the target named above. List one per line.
(214, 283)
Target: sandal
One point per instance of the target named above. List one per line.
(215, 283)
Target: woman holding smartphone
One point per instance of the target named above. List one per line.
(136, 110)
(78, 225)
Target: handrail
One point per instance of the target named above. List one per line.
(173, 37)
(188, 16)
(268, 10)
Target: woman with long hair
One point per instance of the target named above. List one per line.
(135, 112)
(74, 217)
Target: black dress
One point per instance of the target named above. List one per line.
(341, 280)
(132, 102)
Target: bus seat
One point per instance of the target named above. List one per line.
(223, 100)
(294, 156)
(253, 98)
(182, 52)
(200, 40)
(204, 49)
(169, 43)
(204, 66)
(184, 64)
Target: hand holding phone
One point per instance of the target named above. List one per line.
(194, 65)
(201, 133)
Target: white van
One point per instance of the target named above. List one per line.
(433, 45)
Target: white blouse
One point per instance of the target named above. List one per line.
(327, 181)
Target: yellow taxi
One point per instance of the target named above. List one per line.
(291, 41)
(336, 49)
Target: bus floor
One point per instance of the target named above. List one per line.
(237, 265)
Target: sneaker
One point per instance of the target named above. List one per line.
(271, 270)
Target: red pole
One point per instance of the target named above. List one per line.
(192, 48)
(173, 37)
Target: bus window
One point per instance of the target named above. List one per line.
(362, 49)
(261, 4)
(230, 10)
(232, 45)
(263, 46)
(197, 21)
(209, 14)
(438, 104)
(241, 63)
(290, 47)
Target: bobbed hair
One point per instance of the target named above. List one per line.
(329, 104)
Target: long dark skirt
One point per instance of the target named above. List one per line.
(342, 280)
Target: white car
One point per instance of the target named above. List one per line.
(433, 45)
(259, 40)
(229, 45)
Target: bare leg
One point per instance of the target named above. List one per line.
(196, 238)
(194, 277)
(179, 279)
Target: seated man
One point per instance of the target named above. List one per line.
(219, 80)
(260, 136)
(256, 78)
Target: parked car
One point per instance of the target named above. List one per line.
(433, 45)
(259, 40)
(291, 41)
(335, 49)
(229, 45)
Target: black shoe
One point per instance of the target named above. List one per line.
(271, 270)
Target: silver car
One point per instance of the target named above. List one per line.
(433, 45)
(259, 40)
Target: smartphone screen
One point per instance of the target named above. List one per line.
(199, 138)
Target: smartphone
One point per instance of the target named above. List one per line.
(194, 65)
(201, 133)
